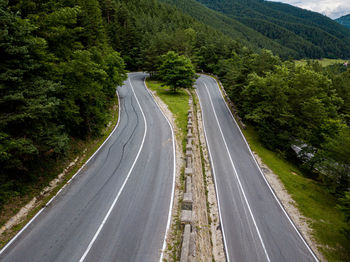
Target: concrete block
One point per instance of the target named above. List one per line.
(188, 171)
(190, 126)
(189, 140)
(185, 248)
(187, 201)
(188, 161)
(186, 216)
(188, 146)
(188, 184)
(189, 133)
(192, 246)
(189, 153)
(190, 111)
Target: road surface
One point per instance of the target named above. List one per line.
(255, 226)
(117, 207)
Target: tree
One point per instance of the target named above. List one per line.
(176, 71)
(28, 106)
(345, 207)
(335, 160)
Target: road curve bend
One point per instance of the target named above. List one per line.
(255, 226)
(117, 207)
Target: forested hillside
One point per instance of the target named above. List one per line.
(58, 80)
(344, 20)
(232, 27)
(310, 34)
(61, 62)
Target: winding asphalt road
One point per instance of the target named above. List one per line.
(254, 224)
(117, 208)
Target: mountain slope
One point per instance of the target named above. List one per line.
(310, 34)
(344, 20)
(231, 27)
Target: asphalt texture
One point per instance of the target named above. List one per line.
(136, 167)
(255, 226)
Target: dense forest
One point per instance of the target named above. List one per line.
(344, 20)
(308, 33)
(61, 63)
(58, 80)
(62, 60)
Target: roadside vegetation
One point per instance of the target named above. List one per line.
(177, 103)
(312, 198)
(78, 148)
(62, 60)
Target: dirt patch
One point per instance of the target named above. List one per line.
(301, 222)
(200, 215)
(6, 231)
(214, 225)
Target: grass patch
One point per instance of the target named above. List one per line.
(312, 199)
(177, 104)
(324, 62)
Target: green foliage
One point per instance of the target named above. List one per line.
(312, 199)
(345, 207)
(231, 27)
(344, 20)
(334, 160)
(176, 71)
(177, 104)
(58, 80)
(306, 33)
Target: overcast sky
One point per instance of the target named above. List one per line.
(331, 8)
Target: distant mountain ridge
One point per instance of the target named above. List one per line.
(344, 20)
(285, 29)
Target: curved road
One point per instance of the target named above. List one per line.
(254, 224)
(117, 208)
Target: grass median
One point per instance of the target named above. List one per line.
(178, 105)
(312, 200)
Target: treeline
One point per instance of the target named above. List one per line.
(142, 30)
(301, 112)
(61, 62)
(57, 82)
(309, 34)
(234, 29)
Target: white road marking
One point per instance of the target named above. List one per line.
(123, 185)
(215, 183)
(174, 175)
(236, 174)
(262, 174)
(41, 210)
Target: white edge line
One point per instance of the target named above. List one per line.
(174, 175)
(123, 185)
(269, 186)
(21, 231)
(27, 225)
(236, 173)
(215, 183)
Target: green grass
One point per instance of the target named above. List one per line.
(324, 62)
(312, 199)
(177, 104)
